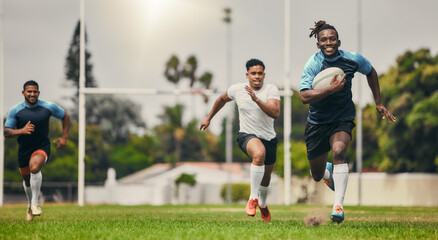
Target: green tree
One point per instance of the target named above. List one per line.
(411, 91)
(116, 116)
(72, 63)
(138, 153)
(174, 73)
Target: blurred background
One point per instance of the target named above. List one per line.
(150, 145)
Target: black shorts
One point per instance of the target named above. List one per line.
(24, 156)
(318, 136)
(270, 146)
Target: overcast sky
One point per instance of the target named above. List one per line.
(131, 40)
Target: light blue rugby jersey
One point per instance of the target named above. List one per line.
(39, 115)
(338, 106)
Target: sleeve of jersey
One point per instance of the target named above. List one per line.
(364, 65)
(311, 69)
(56, 110)
(273, 93)
(232, 91)
(11, 122)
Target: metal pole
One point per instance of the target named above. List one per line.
(229, 117)
(81, 163)
(2, 137)
(287, 105)
(359, 109)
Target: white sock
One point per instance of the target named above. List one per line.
(28, 193)
(326, 174)
(340, 178)
(263, 195)
(35, 185)
(256, 175)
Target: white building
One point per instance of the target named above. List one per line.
(156, 185)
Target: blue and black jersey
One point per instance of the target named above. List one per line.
(39, 115)
(338, 106)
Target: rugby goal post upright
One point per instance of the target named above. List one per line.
(287, 105)
(2, 137)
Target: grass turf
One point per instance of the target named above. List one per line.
(216, 222)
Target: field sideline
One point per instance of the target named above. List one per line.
(216, 222)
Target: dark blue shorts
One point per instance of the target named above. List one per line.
(318, 136)
(270, 146)
(24, 156)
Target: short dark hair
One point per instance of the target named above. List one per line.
(30, 83)
(254, 62)
(319, 26)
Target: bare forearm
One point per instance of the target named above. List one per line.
(218, 105)
(65, 125)
(271, 108)
(314, 95)
(373, 83)
(11, 133)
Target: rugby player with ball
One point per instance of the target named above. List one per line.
(331, 110)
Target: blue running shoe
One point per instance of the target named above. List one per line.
(337, 214)
(330, 183)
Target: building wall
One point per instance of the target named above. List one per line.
(378, 189)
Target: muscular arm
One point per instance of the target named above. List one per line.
(271, 108)
(218, 105)
(373, 83)
(11, 133)
(62, 141)
(316, 95)
(65, 125)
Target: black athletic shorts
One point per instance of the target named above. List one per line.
(270, 146)
(318, 136)
(24, 156)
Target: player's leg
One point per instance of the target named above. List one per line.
(317, 144)
(263, 193)
(256, 151)
(25, 174)
(37, 161)
(339, 143)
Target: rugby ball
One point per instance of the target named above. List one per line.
(323, 78)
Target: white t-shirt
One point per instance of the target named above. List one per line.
(252, 119)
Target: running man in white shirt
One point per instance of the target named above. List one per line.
(258, 106)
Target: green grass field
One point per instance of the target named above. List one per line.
(216, 222)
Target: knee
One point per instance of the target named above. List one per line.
(259, 157)
(316, 176)
(339, 154)
(34, 169)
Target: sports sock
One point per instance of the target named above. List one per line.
(256, 175)
(340, 178)
(326, 174)
(263, 195)
(35, 185)
(28, 193)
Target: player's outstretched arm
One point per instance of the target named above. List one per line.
(218, 105)
(62, 141)
(28, 129)
(373, 83)
(316, 95)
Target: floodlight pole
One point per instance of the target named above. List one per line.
(359, 109)
(287, 105)
(2, 137)
(81, 108)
